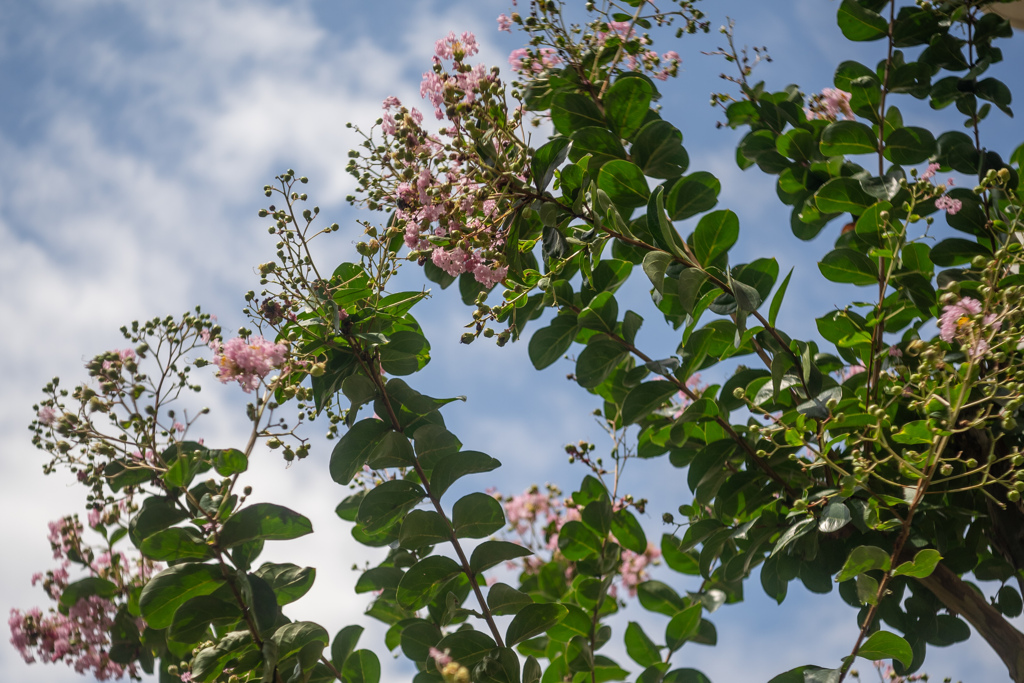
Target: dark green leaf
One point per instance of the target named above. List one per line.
(546, 159)
(405, 353)
(626, 104)
(166, 591)
(597, 361)
(263, 521)
(842, 195)
(344, 644)
(422, 528)
(628, 532)
(849, 266)
(394, 450)
(656, 596)
(503, 599)
(477, 515)
(683, 626)
(625, 183)
(550, 343)
(571, 111)
(886, 645)
(532, 620)
(209, 662)
(177, 543)
(640, 648)
(696, 193)
(858, 23)
(289, 582)
(848, 137)
(491, 553)
(424, 580)
(715, 235)
(659, 152)
(354, 448)
(457, 465)
(84, 588)
(362, 666)
(906, 146)
(230, 461)
(388, 502)
(645, 398)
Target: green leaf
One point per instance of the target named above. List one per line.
(531, 670)
(645, 398)
(773, 309)
(550, 343)
(230, 461)
(177, 543)
(362, 666)
(862, 559)
(665, 235)
(599, 143)
(849, 266)
(388, 502)
(424, 580)
(263, 521)
(625, 183)
(503, 599)
(640, 648)
(412, 408)
(491, 553)
(848, 137)
(628, 532)
(955, 252)
(626, 104)
(394, 450)
(209, 662)
(601, 314)
(467, 647)
(433, 444)
(166, 591)
(658, 151)
(922, 566)
(715, 235)
(656, 596)
(417, 639)
(654, 264)
(696, 193)
(688, 287)
(84, 588)
(344, 644)
(834, 517)
(572, 111)
(910, 145)
(457, 465)
(421, 528)
(546, 159)
(597, 361)
(532, 620)
(841, 195)
(577, 542)
(192, 622)
(304, 639)
(859, 24)
(683, 626)
(886, 645)
(354, 448)
(288, 581)
(685, 676)
(477, 515)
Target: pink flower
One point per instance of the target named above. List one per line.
(504, 23)
(948, 204)
(829, 105)
(452, 262)
(247, 361)
(633, 569)
(515, 59)
(47, 416)
(441, 658)
(956, 316)
(932, 168)
(895, 352)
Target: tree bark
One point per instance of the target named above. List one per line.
(960, 598)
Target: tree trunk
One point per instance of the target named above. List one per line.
(962, 599)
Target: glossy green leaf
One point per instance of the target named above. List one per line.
(597, 361)
(863, 559)
(491, 553)
(192, 622)
(477, 515)
(625, 183)
(628, 532)
(577, 542)
(210, 662)
(550, 343)
(344, 644)
(289, 582)
(886, 645)
(688, 287)
(910, 145)
(354, 448)
(849, 266)
(848, 137)
(601, 314)
(685, 676)
(84, 588)
(955, 251)
(546, 159)
(362, 666)
(834, 517)
(921, 566)
(693, 194)
(177, 543)
(716, 233)
(532, 620)
(457, 465)
(229, 461)
(683, 626)
(658, 151)
(387, 503)
(572, 111)
(842, 195)
(602, 146)
(645, 398)
(424, 580)
(626, 104)
(656, 596)
(503, 599)
(422, 528)
(393, 450)
(467, 647)
(169, 589)
(265, 521)
(858, 23)
(417, 639)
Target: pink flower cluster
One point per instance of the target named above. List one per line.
(829, 105)
(81, 638)
(465, 79)
(945, 202)
(246, 361)
(633, 570)
(957, 322)
(523, 60)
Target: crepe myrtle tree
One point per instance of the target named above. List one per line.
(884, 455)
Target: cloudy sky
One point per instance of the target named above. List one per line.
(135, 142)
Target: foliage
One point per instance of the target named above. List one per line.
(880, 456)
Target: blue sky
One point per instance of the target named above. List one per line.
(136, 139)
